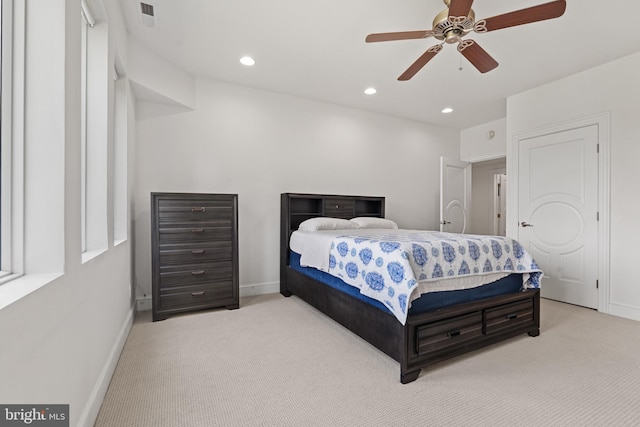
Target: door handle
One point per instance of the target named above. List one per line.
(525, 224)
(445, 222)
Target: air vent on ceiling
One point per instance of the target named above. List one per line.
(148, 14)
(146, 9)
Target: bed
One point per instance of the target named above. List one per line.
(417, 333)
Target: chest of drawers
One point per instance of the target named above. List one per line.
(194, 243)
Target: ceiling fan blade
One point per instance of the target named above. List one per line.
(477, 55)
(460, 7)
(404, 35)
(541, 12)
(420, 62)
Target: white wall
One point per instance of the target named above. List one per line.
(156, 79)
(484, 142)
(60, 343)
(259, 144)
(612, 88)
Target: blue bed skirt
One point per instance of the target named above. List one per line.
(427, 302)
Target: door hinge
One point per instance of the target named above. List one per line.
(597, 148)
(498, 215)
(597, 216)
(498, 189)
(597, 284)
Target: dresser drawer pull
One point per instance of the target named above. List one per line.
(197, 230)
(198, 251)
(512, 316)
(453, 334)
(197, 273)
(197, 294)
(202, 209)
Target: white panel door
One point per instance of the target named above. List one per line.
(557, 208)
(455, 195)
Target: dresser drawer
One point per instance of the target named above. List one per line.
(190, 274)
(192, 296)
(508, 315)
(438, 336)
(176, 210)
(192, 253)
(194, 234)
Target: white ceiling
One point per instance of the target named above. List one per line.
(316, 49)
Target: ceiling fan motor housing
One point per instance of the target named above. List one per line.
(451, 29)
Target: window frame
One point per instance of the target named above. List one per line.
(11, 139)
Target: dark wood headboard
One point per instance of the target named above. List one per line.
(296, 207)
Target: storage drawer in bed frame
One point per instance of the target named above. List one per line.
(440, 335)
(448, 332)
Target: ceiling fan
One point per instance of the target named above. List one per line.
(455, 22)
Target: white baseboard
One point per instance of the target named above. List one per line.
(627, 312)
(145, 303)
(90, 412)
(259, 289)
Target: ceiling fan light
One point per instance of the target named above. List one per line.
(370, 90)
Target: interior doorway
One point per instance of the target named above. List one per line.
(489, 197)
(500, 204)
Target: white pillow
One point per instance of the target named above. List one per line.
(373, 222)
(327, 223)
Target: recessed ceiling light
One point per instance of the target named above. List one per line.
(247, 60)
(370, 91)
(447, 110)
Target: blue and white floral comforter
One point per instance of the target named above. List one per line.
(397, 266)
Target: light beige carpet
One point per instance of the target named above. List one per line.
(278, 362)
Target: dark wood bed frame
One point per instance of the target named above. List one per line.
(426, 338)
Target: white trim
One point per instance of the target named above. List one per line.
(90, 412)
(87, 256)
(603, 121)
(84, 36)
(483, 158)
(6, 148)
(20, 286)
(259, 289)
(624, 311)
(13, 106)
(144, 304)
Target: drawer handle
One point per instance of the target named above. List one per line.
(198, 251)
(202, 209)
(512, 316)
(197, 273)
(197, 294)
(453, 334)
(197, 230)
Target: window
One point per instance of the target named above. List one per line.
(95, 134)
(10, 150)
(120, 173)
(3, 154)
(84, 25)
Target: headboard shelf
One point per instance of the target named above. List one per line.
(298, 207)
